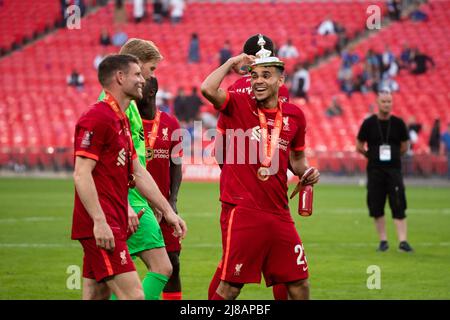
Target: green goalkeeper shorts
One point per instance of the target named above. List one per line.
(148, 235)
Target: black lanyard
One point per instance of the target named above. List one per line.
(387, 133)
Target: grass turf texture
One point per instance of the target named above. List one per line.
(339, 239)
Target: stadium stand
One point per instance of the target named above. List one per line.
(24, 20)
(37, 116)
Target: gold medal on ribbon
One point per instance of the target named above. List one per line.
(151, 138)
(263, 173)
(269, 146)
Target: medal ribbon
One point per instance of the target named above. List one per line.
(152, 139)
(269, 148)
(112, 103)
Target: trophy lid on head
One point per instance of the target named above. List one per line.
(263, 57)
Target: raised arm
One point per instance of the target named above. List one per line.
(211, 86)
(85, 186)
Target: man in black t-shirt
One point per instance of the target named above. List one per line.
(387, 138)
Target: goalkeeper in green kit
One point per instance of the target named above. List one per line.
(147, 242)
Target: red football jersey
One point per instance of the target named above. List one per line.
(102, 136)
(242, 85)
(163, 151)
(239, 183)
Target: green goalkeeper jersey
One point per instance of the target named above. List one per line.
(137, 133)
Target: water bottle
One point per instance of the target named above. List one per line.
(305, 204)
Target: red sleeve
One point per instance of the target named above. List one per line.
(225, 104)
(176, 147)
(298, 143)
(91, 133)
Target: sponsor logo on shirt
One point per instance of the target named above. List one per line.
(121, 158)
(86, 141)
(161, 154)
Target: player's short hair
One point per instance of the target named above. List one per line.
(251, 45)
(145, 50)
(113, 63)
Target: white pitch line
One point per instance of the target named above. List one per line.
(29, 219)
(38, 245)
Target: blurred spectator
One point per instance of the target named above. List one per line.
(414, 129)
(181, 106)
(75, 79)
(446, 140)
(327, 26)
(119, 38)
(225, 53)
(195, 102)
(138, 10)
(105, 39)
(82, 5)
(419, 62)
(99, 58)
(418, 15)
(300, 81)
(405, 56)
(435, 137)
(165, 9)
(177, 10)
(387, 62)
(335, 108)
(345, 78)
(120, 13)
(163, 96)
(342, 38)
(288, 50)
(165, 106)
(349, 59)
(394, 9)
(157, 11)
(194, 49)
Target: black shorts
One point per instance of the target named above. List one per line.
(382, 183)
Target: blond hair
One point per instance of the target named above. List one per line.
(144, 50)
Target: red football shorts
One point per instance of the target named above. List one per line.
(256, 242)
(173, 243)
(99, 264)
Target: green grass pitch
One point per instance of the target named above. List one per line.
(339, 239)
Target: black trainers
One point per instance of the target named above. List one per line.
(383, 246)
(405, 247)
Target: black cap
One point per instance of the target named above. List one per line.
(251, 45)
